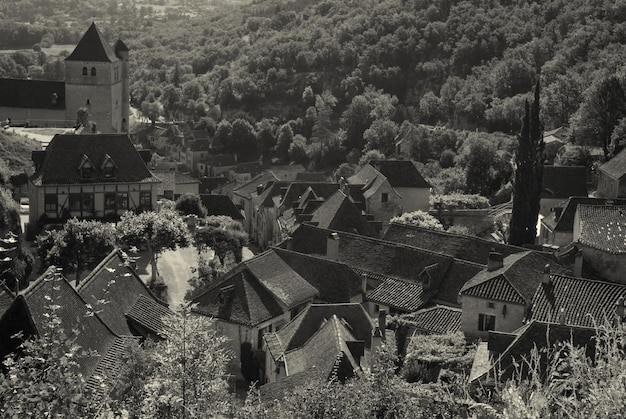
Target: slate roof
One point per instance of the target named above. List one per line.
(388, 259)
(561, 182)
(36, 94)
(576, 301)
(63, 155)
(537, 334)
(515, 282)
(220, 205)
(113, 288)
(603, 227)
(300, 329)
(401, 173)
(93, 47)
(470, 248)
(325, 354)
(616, 167)
(262, 288)
(565, 222)
(148, 313)
(438, 319)
(335, 281)
(339, 213)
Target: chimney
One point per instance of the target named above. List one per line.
(332, 246)
(619, 309)
(578, 264)
(545, 276)
(364, 285)
(382, 322)
(495, 261)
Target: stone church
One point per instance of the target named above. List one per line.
(96, 81)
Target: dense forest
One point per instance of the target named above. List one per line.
(324, 82)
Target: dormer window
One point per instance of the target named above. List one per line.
(86, 168)
(93, 71)
(84, 71)
(108, 167)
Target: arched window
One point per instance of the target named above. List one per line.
(84, 71)
(93, 71)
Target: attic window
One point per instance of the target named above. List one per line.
(384, 197)
(108, 167)
(93, 71)
(84, 71)
(86, 167)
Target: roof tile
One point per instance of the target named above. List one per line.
(603, 227)
(438, 319)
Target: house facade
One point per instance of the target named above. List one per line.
(612, 177)
(90, 176)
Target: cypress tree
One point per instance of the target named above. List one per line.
(528, 179)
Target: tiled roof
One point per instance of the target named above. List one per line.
(603, 227)
(339, 213)
(210, 184)
(93, 47)
(565, 222)
(266, 197)
(297, 189)
(401, 173)
(400, 294)
(388, 259)
(149, 313)
(335, 281)
(81, 323)
(300, 329)
(248, 304)
(261, 287)
(113, 289)
(561, 182)
(37, 94)
(576, 301)
(247, 189)
(438, 319)
(280, 279)
(515, 282)
(498, 289)
(366, 174)
(109, 366)
(220, 205)
(616, 167)
(120, 46)
(539, 335)
(460, 246)
(65, 152)
(326, 353)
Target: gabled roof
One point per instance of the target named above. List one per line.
(470, 248)
(299, 330)
(576, 301)
(93, 47)
(603, 227)
(335, 281)
(209, 184)
(339, 213)
(80, 322)
(400, 294)
(120, 46)
(149, 313)
(565, 222)
(516, 281)
(262, 288)
(401, 173)
(437, 319)
(616, 167)
(324, 356)
(247, 189)
(64, 153)
(561, 182)
(297, 189)
(37, 94)
(220, 205)
(388, 259)
(114, 289)
(539, 335)
(268, 196)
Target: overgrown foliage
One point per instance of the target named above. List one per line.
(418, 218)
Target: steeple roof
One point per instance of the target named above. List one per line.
(93, 47)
